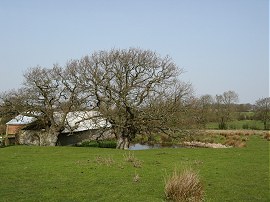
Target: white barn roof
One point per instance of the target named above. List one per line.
(21, 120)
(80, 121)
(75, 121)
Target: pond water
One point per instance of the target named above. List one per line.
(139, 146)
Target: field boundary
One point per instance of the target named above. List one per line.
(233, 132)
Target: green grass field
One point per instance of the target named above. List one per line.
(242, 124)
(94, 174)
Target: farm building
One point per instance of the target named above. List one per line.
(14, 126)
(79, 126)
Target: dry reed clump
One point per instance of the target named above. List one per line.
(224, 134)
(235, 143)
(236, 137)
(130, 157)
(267, 136)
(136, 177)
(104, 161)
(240, 144)
(184, 186)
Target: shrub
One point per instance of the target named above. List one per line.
(107, 144)
(245, 126)
(165, 138)
(254, 127)
(101, 144)
(185, 186)
(222, 126)
(88, 144)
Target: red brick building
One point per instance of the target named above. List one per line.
(14, 126)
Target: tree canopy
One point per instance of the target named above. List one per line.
(135, 90)
(125, 84)
(262, 110)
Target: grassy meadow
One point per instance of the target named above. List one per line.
(31, 173)
(239, 124)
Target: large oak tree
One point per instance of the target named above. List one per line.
(124, 84)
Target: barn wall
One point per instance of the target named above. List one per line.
(14, 129)
(12, 133)
(31, 137)
(38, 137)
(78, 137)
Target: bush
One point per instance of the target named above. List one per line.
(165, 138)
(254, 127)
(232, 126)
(88, 144)
(222, 126)
(107, 144)
(101, 144)
(185, 186)
(245, 126)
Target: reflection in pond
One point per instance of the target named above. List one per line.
(139, 146)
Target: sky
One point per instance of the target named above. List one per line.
(221, 44)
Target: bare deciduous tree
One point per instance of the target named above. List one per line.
(225, 107)
(205, 109)
(171, 112)
(136, 90)
(123, 83)
(48, 95)
(262, 110)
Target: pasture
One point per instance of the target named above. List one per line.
(239, 124)
(31, 173)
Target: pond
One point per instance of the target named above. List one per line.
(139, 146)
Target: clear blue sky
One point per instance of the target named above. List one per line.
(222, 44)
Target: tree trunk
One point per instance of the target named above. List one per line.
(123, 143)
(49, 138)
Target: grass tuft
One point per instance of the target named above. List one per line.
(104, 161)
(267, 136)
(235, 143)
(136, 177)
(130, 157)
(184, 186)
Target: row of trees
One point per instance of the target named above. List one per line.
(219, 108)
(137, 91)
(224, 108)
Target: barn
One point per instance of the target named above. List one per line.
(79, 126)
(14, 126)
